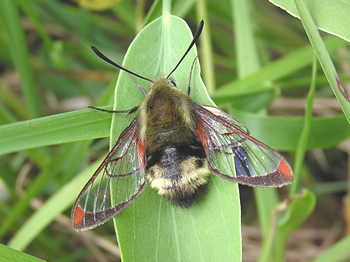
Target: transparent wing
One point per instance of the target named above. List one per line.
(226, 118)
(234, 155)
(115, 184)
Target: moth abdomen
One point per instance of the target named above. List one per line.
(181, 173)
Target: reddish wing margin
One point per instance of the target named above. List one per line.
(117, 182)
(234, 155)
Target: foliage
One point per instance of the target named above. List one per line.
(264, 66)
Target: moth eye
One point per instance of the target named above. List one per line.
(172, 83)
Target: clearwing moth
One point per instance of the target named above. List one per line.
(175, 144)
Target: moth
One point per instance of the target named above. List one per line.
(175, 144)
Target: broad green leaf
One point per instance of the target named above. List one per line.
(8, 255)
(151, 228)
(330, 16)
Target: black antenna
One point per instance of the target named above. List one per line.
(195, 38)
(105, 58)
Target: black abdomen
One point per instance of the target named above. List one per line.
(180, 172)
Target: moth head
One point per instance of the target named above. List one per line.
(163, 82)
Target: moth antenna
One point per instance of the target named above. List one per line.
(143, 91)
(129, 111)
(105, 58)
(195, 38)
(188, 89)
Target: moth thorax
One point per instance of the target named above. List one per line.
(166, 109)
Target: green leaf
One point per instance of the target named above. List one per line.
(9, 255)
(338, 252)
(283, 133)
(54, 206)
(68, 155)
(151, 228)
(298, 209)
(52, 130)
(260, 81)
(248, 62)
(305, 134)
(323, 57)
(331, 16)
(279, 133)
(291, 214)
(18, 49)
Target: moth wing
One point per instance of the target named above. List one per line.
(115, 184)
(229, 148)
